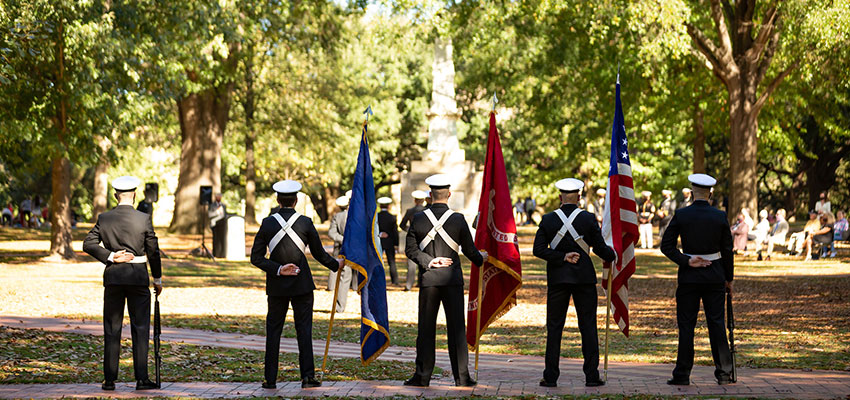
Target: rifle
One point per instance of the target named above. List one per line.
(157, 330)
(730, 325)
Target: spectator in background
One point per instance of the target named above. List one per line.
(797, 239)
(665, 211)
(8, 212)
(519, 207)
(821, 236)
(761, 231)
(840, 231)
(36, 212)
(823, 204)
(778, 233)
(748, 219)
(530, 206)
(597, 207)
(25, 212)
(739, 234)
(646, 210)
(687, 199)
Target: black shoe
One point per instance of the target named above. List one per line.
(469, 382)
(145, 384)
(724, 381)
(545, 383)
(593, 383)
(679, 381)
(267, 385)
(415, 382)
(108, 386)
(310, 382)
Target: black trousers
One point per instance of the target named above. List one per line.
(557, 304)
(219, 233)
(389, 250)
(302, 307)
(687, 307)
(139, 305)
(412, 271)
(429, 304)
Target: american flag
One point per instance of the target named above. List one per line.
(619, 221)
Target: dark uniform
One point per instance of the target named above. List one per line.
(704, 230)
(387, 224)
(283, 290)
(411, 265)
(145, 206)
(124, 228)
(577, 280)
(441, 285)
(667, 208)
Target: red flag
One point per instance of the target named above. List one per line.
(501, 273)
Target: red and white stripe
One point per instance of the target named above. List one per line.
(620, 221)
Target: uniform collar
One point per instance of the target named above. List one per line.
(437, 206)
(701, 203)
(568, 206)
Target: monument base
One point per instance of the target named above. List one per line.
(466, 184)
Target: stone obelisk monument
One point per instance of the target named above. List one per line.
(443, 154)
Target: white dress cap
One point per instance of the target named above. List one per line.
(385, 200)
(126, 183)
(666, 192)
(702, 180)
(419, 194)
(286, 187)
(569, 185)
(601, 192)
(348, 194)
(342, 201)
(438, 181)
(686, 190)
(646, 193)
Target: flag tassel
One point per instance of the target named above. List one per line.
(331, 323)
(608, 318)
(478, 317)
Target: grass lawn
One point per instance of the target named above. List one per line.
(789, 314)
(35, 356)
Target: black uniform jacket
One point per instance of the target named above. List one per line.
(458, 229)
(558, 270)
(387, 223)
(287, 252)
(124, 228)
(408, 216)
(704, 230)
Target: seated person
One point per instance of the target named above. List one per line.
(761, 230)
(739, 234)
(840, 231)
(822, 236)
(778, 233)
(797, 239)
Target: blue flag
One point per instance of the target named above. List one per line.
(361, 249)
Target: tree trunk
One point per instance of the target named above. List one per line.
(743, 149)
(699, 140)
(203, 118)
(101, 181)
(60, 199)
(250, 138)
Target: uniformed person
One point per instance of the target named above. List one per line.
(218, 224)
(388, 228)
(646, 211)
(285, 236)
(705, 273)
(418, 206)
(597, 207)
(687, 199)
(336, 232)
(564, 239)
(125, 241)
(665, 211)
(433, 241)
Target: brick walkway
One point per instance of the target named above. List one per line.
(500, 374)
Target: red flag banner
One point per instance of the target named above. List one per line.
(501, 273)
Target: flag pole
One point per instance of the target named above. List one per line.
(608, 315)
(478, 316)
(331, 323)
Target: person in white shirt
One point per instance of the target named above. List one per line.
(823, 205)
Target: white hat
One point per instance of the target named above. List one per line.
(702, 180)
(646, 193)
(419, 194)
(286, 187)
(126, 183)
(342, 201)
(438, 181)
(569, 185)
(601, 192)
(686, 190)
(348, 194)
(666, 192)
(385, 200)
